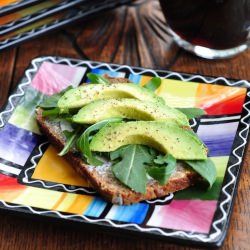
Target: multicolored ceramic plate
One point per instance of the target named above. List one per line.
(56, 21)
(26, 16)
(8, 6)
(34, 180)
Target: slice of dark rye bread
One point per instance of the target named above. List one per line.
(101, 177)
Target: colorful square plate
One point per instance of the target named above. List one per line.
(49, 23)
(34, 180)
(26, 16)
(8, 6)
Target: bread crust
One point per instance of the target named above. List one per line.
(102, 180)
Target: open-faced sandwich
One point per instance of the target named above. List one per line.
(124, 140)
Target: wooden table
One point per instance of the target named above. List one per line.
(132, 35)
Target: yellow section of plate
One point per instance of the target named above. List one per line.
(47, 198)
(6, 2)
(73, 203)
(54, 200)
(145, 79)
(170, 91)
(54, 168)
(220, 163)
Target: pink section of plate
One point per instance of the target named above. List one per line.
(52, 78)
(187, 215)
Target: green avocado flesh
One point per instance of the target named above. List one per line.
(84, 94)
(128, 108)
(166, 137)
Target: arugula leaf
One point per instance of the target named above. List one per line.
(51, 112)
(205, 168)
(83, 142)
(152, 152)
(94, 78)
(192, 112)
(130, 170)
(70, 140)
(163, 159)
(68, 134)
(153, 84)
(161, 174)
(56, 113)
(51, 101)
(164, 171)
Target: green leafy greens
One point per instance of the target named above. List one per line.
(82, 143)
(192, 112)
(70, 140)
(162, 172)
(95, 78)
(50, 102)
(130, 166)
(205, 168)
(153, 84)
(133, 164)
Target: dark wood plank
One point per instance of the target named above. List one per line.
(34, 234)
(237, 67)
(7, 62)
(134, 35)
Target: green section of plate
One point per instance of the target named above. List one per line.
(24, 114)
(194, 193)
(220, 163)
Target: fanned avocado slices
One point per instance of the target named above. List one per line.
(128, 108)
(164, 136)
(86, 93)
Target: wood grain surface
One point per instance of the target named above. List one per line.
(134, 35)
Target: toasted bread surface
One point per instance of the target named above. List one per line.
(102, 179)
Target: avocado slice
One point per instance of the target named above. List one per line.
(86, 93)
(128, 108)
(166, 137)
